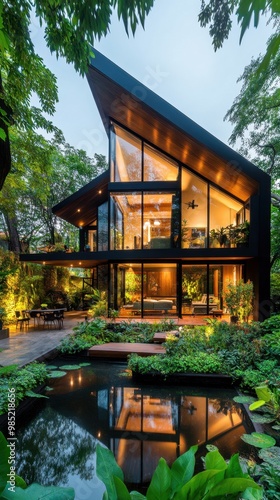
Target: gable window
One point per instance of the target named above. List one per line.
(126, 156)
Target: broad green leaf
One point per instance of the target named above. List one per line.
(70, 367)
(230, 486)
(259, 440)
(106, 468)
(85, 364)
(252, 494)
(160, 486)
(263, 393)
(234, 468)
(134, 495)
(244, 399)
(36, 492)
(52, 367)
(32, 394)
(4, 457)
(256, 404)
(199, 485)
(121, 489)
(20, 482)
(183, 468)
(56, 374)
(214, 460)
(270, 455)
(262, 419)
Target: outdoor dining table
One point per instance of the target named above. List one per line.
(45, 312)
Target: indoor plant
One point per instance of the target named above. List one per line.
(239, 300)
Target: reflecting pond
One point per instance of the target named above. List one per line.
(139, 423)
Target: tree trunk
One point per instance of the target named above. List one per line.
(14, 243)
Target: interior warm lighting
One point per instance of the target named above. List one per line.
(80, 263)
(99, 191)
(78, 210)
(44, 262)
(157, 223)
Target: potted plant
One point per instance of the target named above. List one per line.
(221, 235)
(242, 232)
(239, 300)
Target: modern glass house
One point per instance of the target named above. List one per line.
(177, 216)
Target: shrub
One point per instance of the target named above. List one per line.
(271, 324)
(22, 380)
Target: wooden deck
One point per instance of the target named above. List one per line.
(121, 350)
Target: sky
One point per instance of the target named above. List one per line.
(173, 56)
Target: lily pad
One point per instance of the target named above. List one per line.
(56, 374)
(47, 388)
(271, 455)
(262, 419)
(259, 440)
(52, 367)
(244, 399)
(85, 364)
(32, 394)
(70, 367)
(276, 427)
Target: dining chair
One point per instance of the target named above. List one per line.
(59, 316)
(35, 316)
(49, 319)
(22, 319)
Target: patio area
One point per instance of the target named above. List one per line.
(36, 342)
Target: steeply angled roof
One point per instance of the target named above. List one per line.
(122, 98)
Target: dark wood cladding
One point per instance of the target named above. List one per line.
(115, 103)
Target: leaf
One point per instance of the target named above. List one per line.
(4, 457)
(262, 419)
(214, 460)
(52, 367)
(121, 489)
(160, 486)
(135, 495)
(3, 134)
(37, 492)
(234, 468)
(183, 468)
(32, 394)
(56, 374)
(263, 393)
(252, 494)
(198, 485)
(85, 364)
(70, 367)
(244, 399)
(231, 486)
(270, 455)
(259, 440)
(106, 468)
(256, 404)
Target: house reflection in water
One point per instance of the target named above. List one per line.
(144, 427)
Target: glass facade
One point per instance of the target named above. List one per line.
(186, 212)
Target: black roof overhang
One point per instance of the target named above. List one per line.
(80, 209)
(122, 98)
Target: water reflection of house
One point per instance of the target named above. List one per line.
(140, 425)
(176, 206)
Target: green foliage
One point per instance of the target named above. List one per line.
(271, 324)
(259, 440)
(167, 365)
(20, 379)
(239, 299)
(269, 398)
(190, 340)
(219, 479)
(271, 344)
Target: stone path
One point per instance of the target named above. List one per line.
(35, 343)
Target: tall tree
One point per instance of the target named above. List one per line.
(43, 173)
(70, 28)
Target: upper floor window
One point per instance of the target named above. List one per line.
(128, 164)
